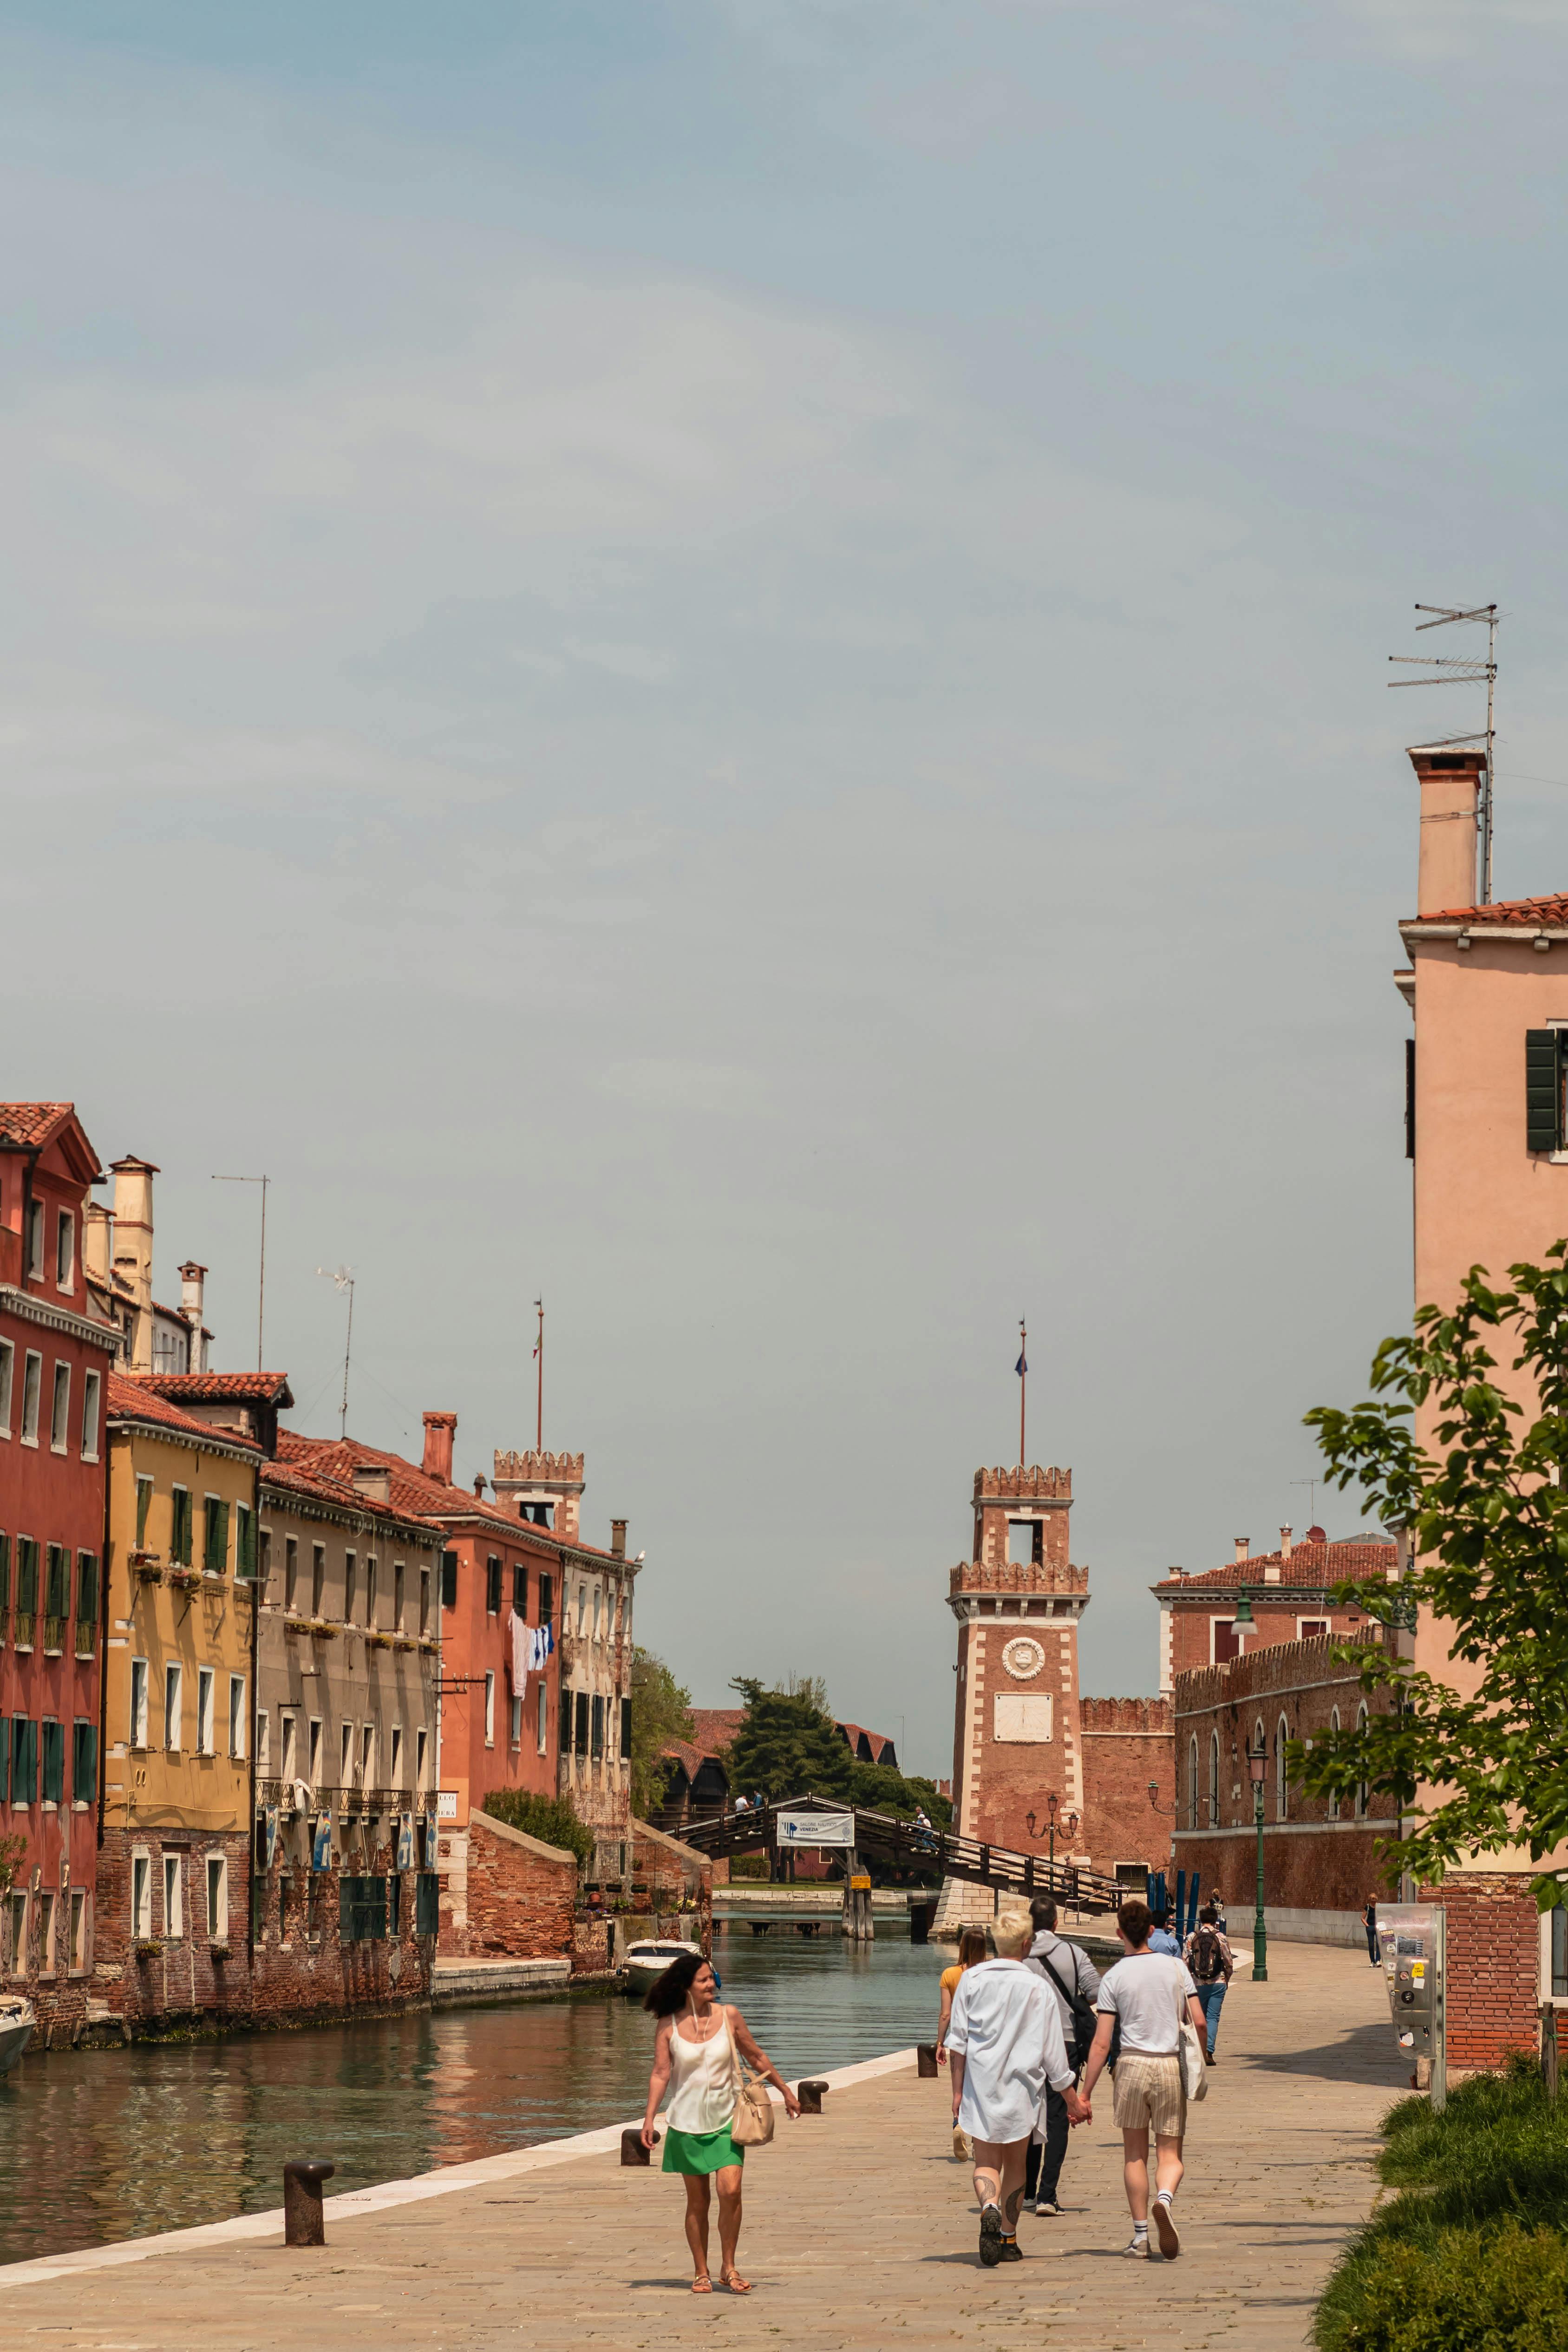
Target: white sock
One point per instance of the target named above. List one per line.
(1139, 2228)
(1166, 2197)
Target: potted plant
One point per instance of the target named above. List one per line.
(148, 1948)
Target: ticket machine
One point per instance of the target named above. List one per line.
(1411, 1942)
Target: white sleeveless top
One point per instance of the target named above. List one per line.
(702, 2096)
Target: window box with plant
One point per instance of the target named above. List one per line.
(184, 1579)
(321, 1631)
(148, 1948)
(149, 1566)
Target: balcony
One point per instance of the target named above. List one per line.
(86, 1640)
(24, 1621)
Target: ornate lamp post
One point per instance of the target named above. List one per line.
(1258, 1765)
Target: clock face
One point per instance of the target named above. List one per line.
(1023, 1659)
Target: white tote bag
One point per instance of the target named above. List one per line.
(1190, 2049)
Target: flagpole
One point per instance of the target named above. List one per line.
(539, 1352)
(1023, 1392)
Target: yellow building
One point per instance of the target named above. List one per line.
(179, 1671)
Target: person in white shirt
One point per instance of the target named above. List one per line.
(1150, 1995)
(1005, 2044)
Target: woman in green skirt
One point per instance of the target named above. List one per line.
(696, 2045)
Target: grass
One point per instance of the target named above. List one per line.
(1471, 2255)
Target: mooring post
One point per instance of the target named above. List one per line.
(810, 2095)
(632, 2148)
(304, 2224)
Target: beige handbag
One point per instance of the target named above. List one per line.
(752, 2124)
(1190, 2053)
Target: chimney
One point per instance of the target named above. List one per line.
(440, 1431)
(98, 1243)
(133, 1251)
(1284, 1543)
(373, 1481)
(1243, 1546)
(193, 1287)
(478, 1483)
(617, 1539)
(1445, 870)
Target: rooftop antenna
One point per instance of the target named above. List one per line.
(1313, 1484)
(1463, 672)
(539, 1360)
(344, 1280)
(261, 1286)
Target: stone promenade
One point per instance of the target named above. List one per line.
(860, 2229)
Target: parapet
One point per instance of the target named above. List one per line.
(536, 1469)
(1154, 1716)
(1021, 1486)
(1016, 1576)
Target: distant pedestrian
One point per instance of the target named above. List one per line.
(1221, 1922)
(1369, 1917)
(1161, 1938)
(1149, 1995)
(1075, 1984)
(1004, 2041)
(971, 1948)
(1210, 1964)
(740, 1804)
(697, 2043)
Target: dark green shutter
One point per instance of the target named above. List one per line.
(217, 1555)
(346, 1909)
(143, 1504)
(427, 1902)
(448, 1580)
(626, 1726)
(4, 1576)
(84, 1764)
(1543, 1126)
(26, 1575)
(1410, 1097)
(57, 1583)
(53, 1776)
(86, 1589)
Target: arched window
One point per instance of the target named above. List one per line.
(1333, 1801)
(1281, 1780)
(1213, 1779)
(1192, 1783)
(1362, 1792)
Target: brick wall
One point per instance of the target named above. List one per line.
(1126, 1743)
(521, 1895)
(1494, 1967)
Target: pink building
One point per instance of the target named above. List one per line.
(53, 1467)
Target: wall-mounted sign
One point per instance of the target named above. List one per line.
(446, 1804)
(1017, 1717)
(816, 1828)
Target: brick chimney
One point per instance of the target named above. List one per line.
(1285, 1543)
(193, 1291)
(1445, 869)
(1243, 1546)
(134, 1252)
(373, 1481)
(617, 1539)
(440, 1432)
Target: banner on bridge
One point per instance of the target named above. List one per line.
(816, 1828)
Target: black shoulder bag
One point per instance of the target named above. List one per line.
(1084, 2016)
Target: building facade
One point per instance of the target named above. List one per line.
(173, 1865)
(1290, 1593)
(54, 1367)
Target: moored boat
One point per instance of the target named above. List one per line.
(18, 2020)
(648, 1960)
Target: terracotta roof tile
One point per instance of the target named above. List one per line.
(1523, 914)
(214, 1388)
(417, 1495)
(135, 1397)
(1310, 1563)
(27, 1125)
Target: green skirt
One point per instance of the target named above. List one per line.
(701, 2151)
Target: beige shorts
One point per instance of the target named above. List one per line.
(1149, 2095)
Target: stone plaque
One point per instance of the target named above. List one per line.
(1021, 1717)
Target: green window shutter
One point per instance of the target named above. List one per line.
(84, 1763)
(143, 1505)
(346, 1909)
(28, 1575)
(5, 1761)
(448, 1580)
(626, 1726)
(4, 1578)
(57, 1583)
(1543, 1118)
(377, 1888)
(24, 1761)
(86, 1589)
(217, 1553)
(427, 1902)
(54, 1762)
(244, 1541)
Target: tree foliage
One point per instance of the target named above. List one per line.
(553, 1820)
(1487, 1524)
(661, 1712)
(788, 1745)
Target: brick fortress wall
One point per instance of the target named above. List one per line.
(522, 1896)
(1126, 1743)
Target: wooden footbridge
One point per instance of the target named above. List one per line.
(905, 1845)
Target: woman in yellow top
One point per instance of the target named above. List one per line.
(970, 1949)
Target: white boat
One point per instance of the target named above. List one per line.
(17, 2019)
(646, 1962)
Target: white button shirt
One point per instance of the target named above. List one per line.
(1007, 2029)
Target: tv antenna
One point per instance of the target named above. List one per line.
(261, 1283)
(1463, 671)
(343, 1278)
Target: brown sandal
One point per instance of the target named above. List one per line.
(735, 2282)
(702, 2283)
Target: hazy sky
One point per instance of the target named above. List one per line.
(728, 661)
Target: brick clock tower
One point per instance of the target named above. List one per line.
(1016, 1735)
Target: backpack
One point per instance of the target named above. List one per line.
(1208, 1961)
(1084, 2016)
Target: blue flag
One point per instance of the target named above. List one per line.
(1020, 1367)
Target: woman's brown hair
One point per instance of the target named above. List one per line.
(971, 1947)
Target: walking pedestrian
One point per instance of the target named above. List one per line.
(1221, 1922)
(1005, 2044)
(1075, 1984)
(1148, 1995)
(1211, 1965)
(697, 2042)
(1369, 1918)
(1161, 1938)
(971, 1948)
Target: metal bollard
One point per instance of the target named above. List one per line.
(304, 2222)
(810, 2095)
(632, 2148)
(925, 2060)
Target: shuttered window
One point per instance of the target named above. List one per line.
(4, 1576)
(24, 1760)
(87, 1588)
(56, 1582)
(492, 1586)
(581, 1725)
(244, 1540)
(26, 1575)
(215, 1556)
(448, 1580)
(546, 1597)
(84, 1762)
(180, 1525)
(427, 1902)
(1542, 1091)
(143, 1505)
(626, 1727)
(598, 1747)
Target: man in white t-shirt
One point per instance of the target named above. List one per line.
(1149, 1995)
(1003, 2045)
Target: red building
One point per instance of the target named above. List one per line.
(53, 1470)
(1290, 1593)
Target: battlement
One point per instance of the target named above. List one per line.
(1276, 1669)
(535, 1469)
(1021, 1486)
(1141, 1717)
(545, 1487)
(1016, 1575)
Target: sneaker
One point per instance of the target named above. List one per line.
(991, 2238)
(1011, 2252)
(1139, 2247)
(1164, 2221)
(1046, 2209)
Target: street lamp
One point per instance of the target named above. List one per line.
(1258, 1765)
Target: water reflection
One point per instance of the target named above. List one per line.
(105, 2144)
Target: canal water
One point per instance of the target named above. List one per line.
(98, 2146)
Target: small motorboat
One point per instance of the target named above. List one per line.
(17, 2020)
(646, 1962)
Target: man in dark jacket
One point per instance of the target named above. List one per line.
(1066, 1970)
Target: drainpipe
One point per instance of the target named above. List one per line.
(103, 1631)
(251, 1740)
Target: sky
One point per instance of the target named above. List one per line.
(727, 663)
